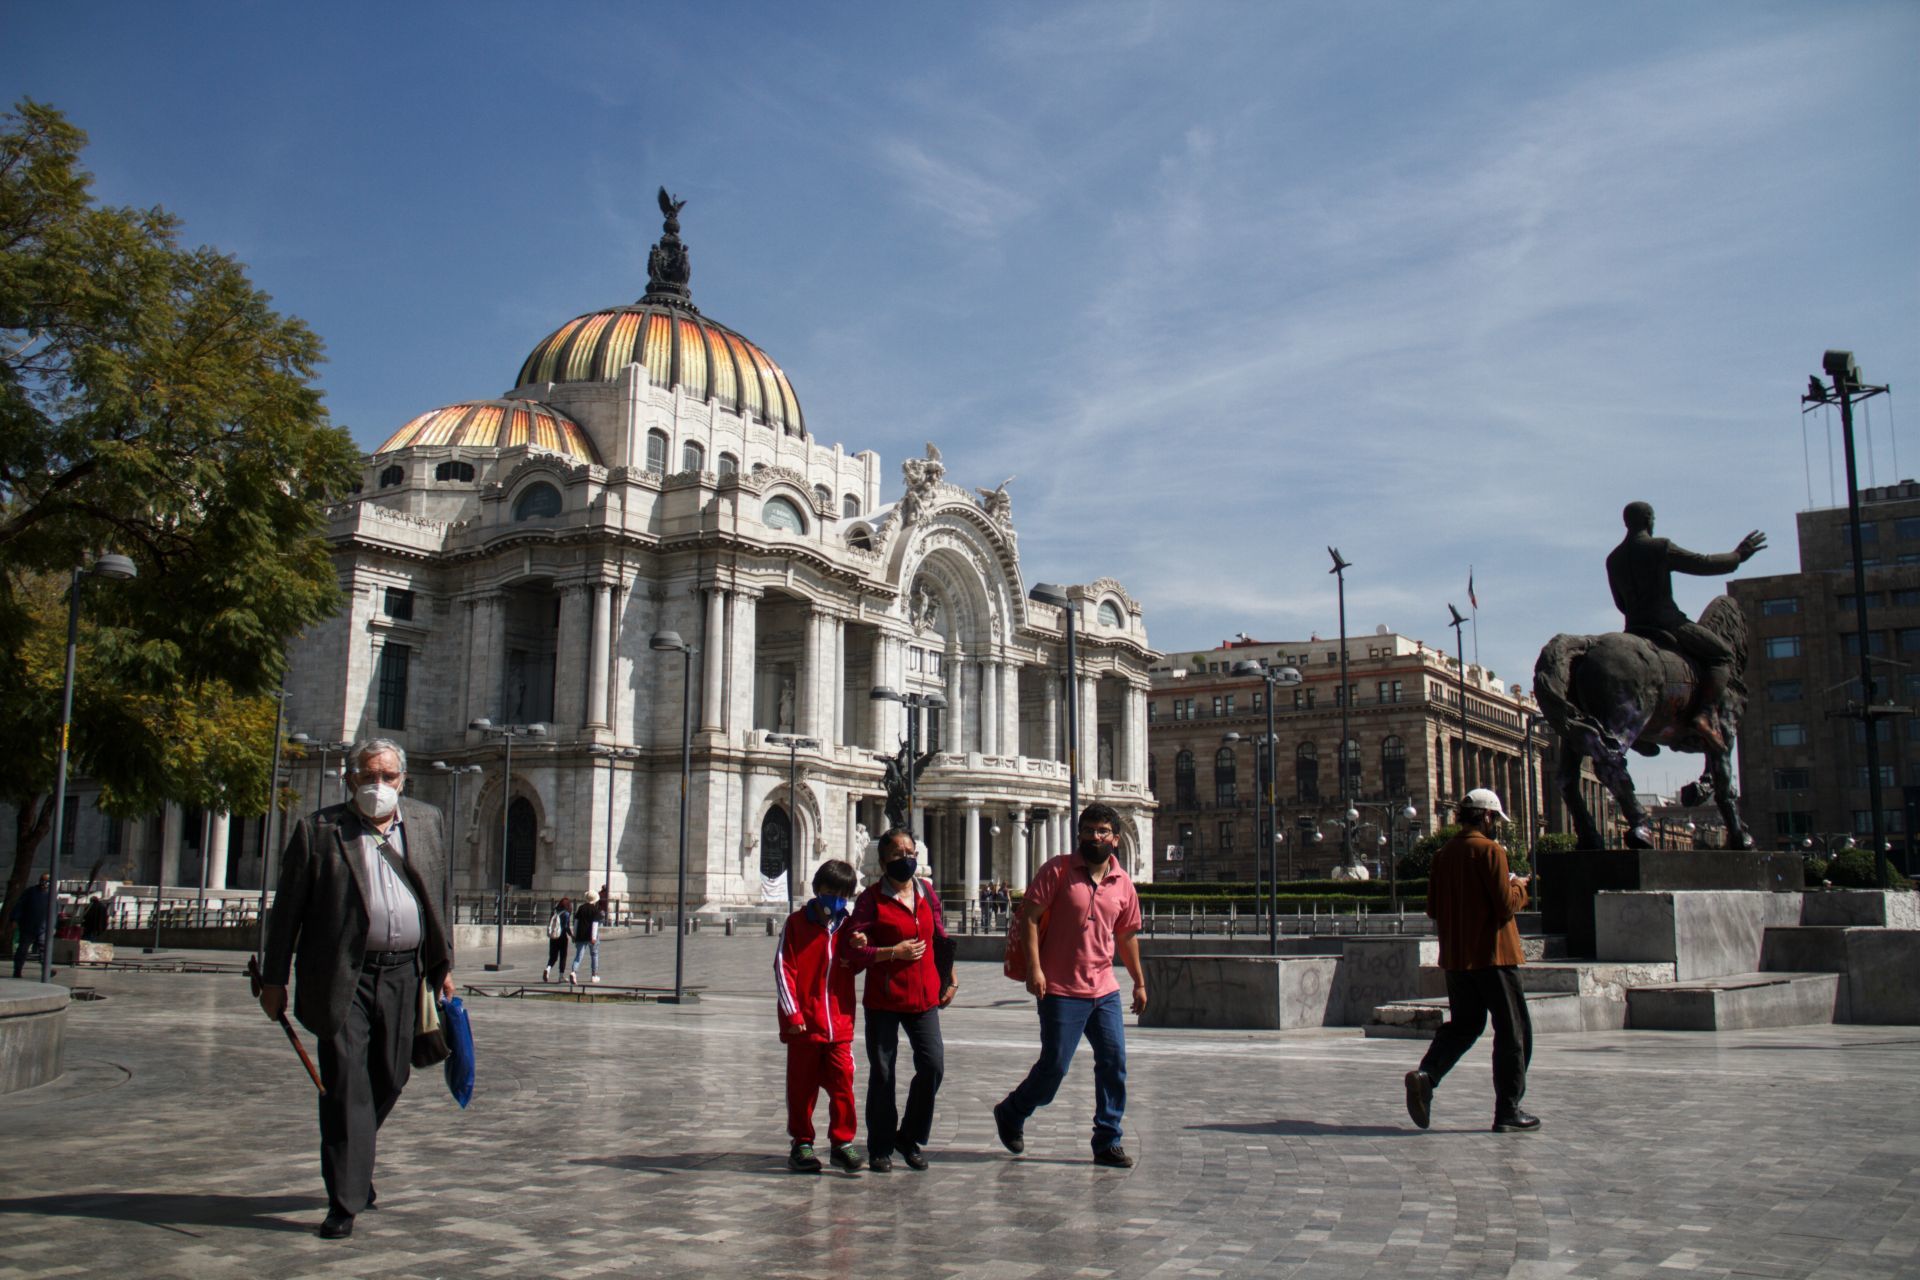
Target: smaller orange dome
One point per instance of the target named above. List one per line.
(496, 424)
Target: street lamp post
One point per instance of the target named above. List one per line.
(1339, 571)
(793, 743)
(1393, 814)
(325, 749)
(107, 566)
(506, 733)
(1275, 678)
(1534, 721)
(914, 703)
(670, 642)
(453, 773)
(1461, 783)
(612, 755)
(1049, 593)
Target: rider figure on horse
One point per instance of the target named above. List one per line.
(1640, 571)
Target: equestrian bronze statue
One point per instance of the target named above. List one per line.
(1666, 681)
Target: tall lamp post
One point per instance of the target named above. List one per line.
(1339, 571)
(1276, 678)
(506, 733)
(1049, 593)
(325, 749)
(1460, 659)
(267, 833)
(793, 743)
(108, 566)
(453, 772)
(613, 756)
(914, 703)
(670, 642)
(1393, 813)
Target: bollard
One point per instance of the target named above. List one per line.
(729, 926)
(769, 927)
(690, 925)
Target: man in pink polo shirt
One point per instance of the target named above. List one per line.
(1091, 910)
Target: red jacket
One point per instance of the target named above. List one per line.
(901, 986)
(815, 994)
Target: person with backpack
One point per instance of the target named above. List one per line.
(559, 932)
(586, 938)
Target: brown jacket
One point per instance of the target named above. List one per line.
(1472, 902)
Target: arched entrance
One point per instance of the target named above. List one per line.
(776, 842)
(522, 827)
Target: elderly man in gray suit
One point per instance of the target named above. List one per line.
(355, 918)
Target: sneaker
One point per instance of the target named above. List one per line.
(571, 980)
(595, 978)
(802, 1160)
(1113, 1157)
(1420, 1097)
(845, 1157)
(910, 1152)
(1518, 1122)
(879, 1161)
(1010, 1136)
(546, 975)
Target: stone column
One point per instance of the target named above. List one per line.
(597, 657)
(889, 718)
(742, 646)
(170, 822)
(219, 833)
(1017, 864)
(837, 718)
(713, 665)
(807, 715)
(1050, 732)
(1123, 735)
(989, 699)
(970, 814)
(570, 656)
(1089, 729)
(1009, 703)
(955, 720)
(486, 621)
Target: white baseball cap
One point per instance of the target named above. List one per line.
(1483, 799)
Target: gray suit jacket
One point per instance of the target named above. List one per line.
(318, 926)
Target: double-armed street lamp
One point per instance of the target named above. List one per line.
(670, 642)
(324, 749)
(1393, 813)
(793, 743)
(506, 733)
(914, 703)
(117, 568)
(1051, 594)
(613, 756)
(1275, 678)
(453, 772)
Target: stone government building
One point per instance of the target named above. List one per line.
(651, 469)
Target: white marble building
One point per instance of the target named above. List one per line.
(651, 470)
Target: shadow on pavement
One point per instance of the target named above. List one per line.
(757, 1162)
(1313, 1129)
(171, 1211)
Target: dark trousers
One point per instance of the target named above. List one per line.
(557, 953)
(1473, 996)
(885, 1125)
(364, 1066)
(30, 941)
(1063, 1020)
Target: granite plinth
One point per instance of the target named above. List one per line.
(1702, 933)
(1889, 908)
(1377, 971)
(1569, 882)
(1876, 967)
(33, 1028)
(1256, 993)
(1736, 1002)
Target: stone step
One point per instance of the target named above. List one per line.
(1552, 1013)
(1876, 967)
(1737, 1002)
(1597, 979)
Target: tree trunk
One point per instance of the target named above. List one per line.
(31, 820)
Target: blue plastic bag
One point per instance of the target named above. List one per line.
(459, 1064)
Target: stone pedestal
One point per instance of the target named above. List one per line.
(1255, 993)
(1702, 934)
(33, 1028)
(1569, 882)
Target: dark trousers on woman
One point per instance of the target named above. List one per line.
(365, 1065)
(886, 1127)
(1473, 996)
(556, 954)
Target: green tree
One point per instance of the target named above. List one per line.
(153, 403)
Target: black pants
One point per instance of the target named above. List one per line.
(364, 1066)
(557, 953)
(1474, 995)
(886, 1127)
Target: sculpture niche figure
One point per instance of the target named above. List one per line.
(1667, 681)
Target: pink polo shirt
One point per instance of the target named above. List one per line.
(1076, 947)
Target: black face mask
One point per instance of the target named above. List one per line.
(901, 870)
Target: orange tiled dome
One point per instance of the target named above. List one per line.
(496, 424)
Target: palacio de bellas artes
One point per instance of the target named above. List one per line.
(515, 561)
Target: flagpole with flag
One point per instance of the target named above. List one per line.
(1473, 603)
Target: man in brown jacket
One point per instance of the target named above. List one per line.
(1472, 896)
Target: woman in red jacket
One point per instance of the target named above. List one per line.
(901, 941)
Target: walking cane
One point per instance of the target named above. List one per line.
(253, 977)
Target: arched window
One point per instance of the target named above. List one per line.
(1110, 614)
(781, 513)
(1226, 785)
(823, 498)
(1183, 797)
(850, 507)
(1350, 756)
(1306, 774)
(860, 538)
(462, 471)
(391, 476)
(535, 501)
(692, 457)
(729, 465)
(1393, 767)
(657, 451)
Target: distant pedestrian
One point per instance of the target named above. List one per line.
(900, 940)
(93, 921)
(1080, 909)
(586, 938)
(815, 998)
(1472, 897)
(559, 933)
(986, 902)
(30, 917)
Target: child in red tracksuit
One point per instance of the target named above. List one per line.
(816, 1017)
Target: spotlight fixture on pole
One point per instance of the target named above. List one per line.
(1463, 782)
(1049, 593)
(670, 642)
(1339, 571)
(506, 733)
(613, 756)
(117, 568)
(453, 773)
(793, 743)
(1275, 678)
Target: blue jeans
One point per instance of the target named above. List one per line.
(1063, 1020)
(591, 949)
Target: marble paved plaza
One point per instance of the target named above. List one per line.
(647, 1140)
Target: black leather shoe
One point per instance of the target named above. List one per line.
(1518, 1122)
(911, 1153)
(1420, 1098)
(1114, 1157)
(879, 1162)
(1010, 1136)
(373, 1197)
(338, 1226)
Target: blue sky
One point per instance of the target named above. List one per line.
(1445, 285)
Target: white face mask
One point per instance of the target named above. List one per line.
(376, 800)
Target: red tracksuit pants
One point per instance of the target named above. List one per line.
(812, 1065)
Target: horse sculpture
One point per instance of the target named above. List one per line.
(1608, 694)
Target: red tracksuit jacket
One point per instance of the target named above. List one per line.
(815, 993)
